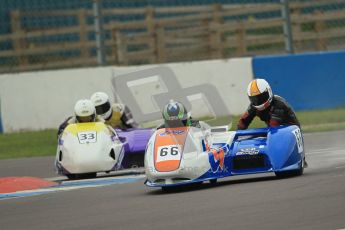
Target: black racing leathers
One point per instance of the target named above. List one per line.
(278, 113)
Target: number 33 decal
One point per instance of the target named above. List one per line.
(87, 137)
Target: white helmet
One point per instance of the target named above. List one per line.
(102, 104)
(85, 111)
(260, 94)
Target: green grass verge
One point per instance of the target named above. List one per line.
(28, 144)
(43, 143)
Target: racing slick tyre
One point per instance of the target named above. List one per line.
(213, 181)
(169, 189)
(81, 176)
(292, 173)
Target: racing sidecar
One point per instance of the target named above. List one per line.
(178, 156)
(87, 148)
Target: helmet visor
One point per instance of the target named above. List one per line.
(259, 99)
(90, 118)
(102, 109)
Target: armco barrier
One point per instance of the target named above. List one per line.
(307, 81)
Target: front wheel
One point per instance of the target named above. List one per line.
(168, 189)
(81, 176)
(292, 173)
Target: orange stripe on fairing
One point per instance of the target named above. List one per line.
(165, 137)
(254, 89)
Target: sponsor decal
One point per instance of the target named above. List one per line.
(205, 145)
(216, 159)
(248, 151)
(172, 132)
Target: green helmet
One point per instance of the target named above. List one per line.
(175, 114)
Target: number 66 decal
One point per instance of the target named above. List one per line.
(168, 153)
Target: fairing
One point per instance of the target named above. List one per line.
(95, 147)
(241, 152)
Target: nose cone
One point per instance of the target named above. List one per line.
(87, 157)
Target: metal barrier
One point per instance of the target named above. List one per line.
(65, 34)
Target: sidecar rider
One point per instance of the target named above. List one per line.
(116, 115)
(175, 115)
(272, 109)
(84, 111)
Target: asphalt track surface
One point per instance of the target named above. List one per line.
(315, 200)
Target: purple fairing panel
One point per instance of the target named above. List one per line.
(135, 139)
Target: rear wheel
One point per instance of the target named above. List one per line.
(168, 189)
(72, 176)
(81, 176)
(213, 181)
(292, 173)
(88, 175)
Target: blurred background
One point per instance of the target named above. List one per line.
(42, 34)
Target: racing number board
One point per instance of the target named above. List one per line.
(169, 145)
(87, 137)
(169, 153)
(299, 140)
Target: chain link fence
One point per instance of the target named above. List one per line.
(41, 34)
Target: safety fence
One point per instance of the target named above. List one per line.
(95, 36)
